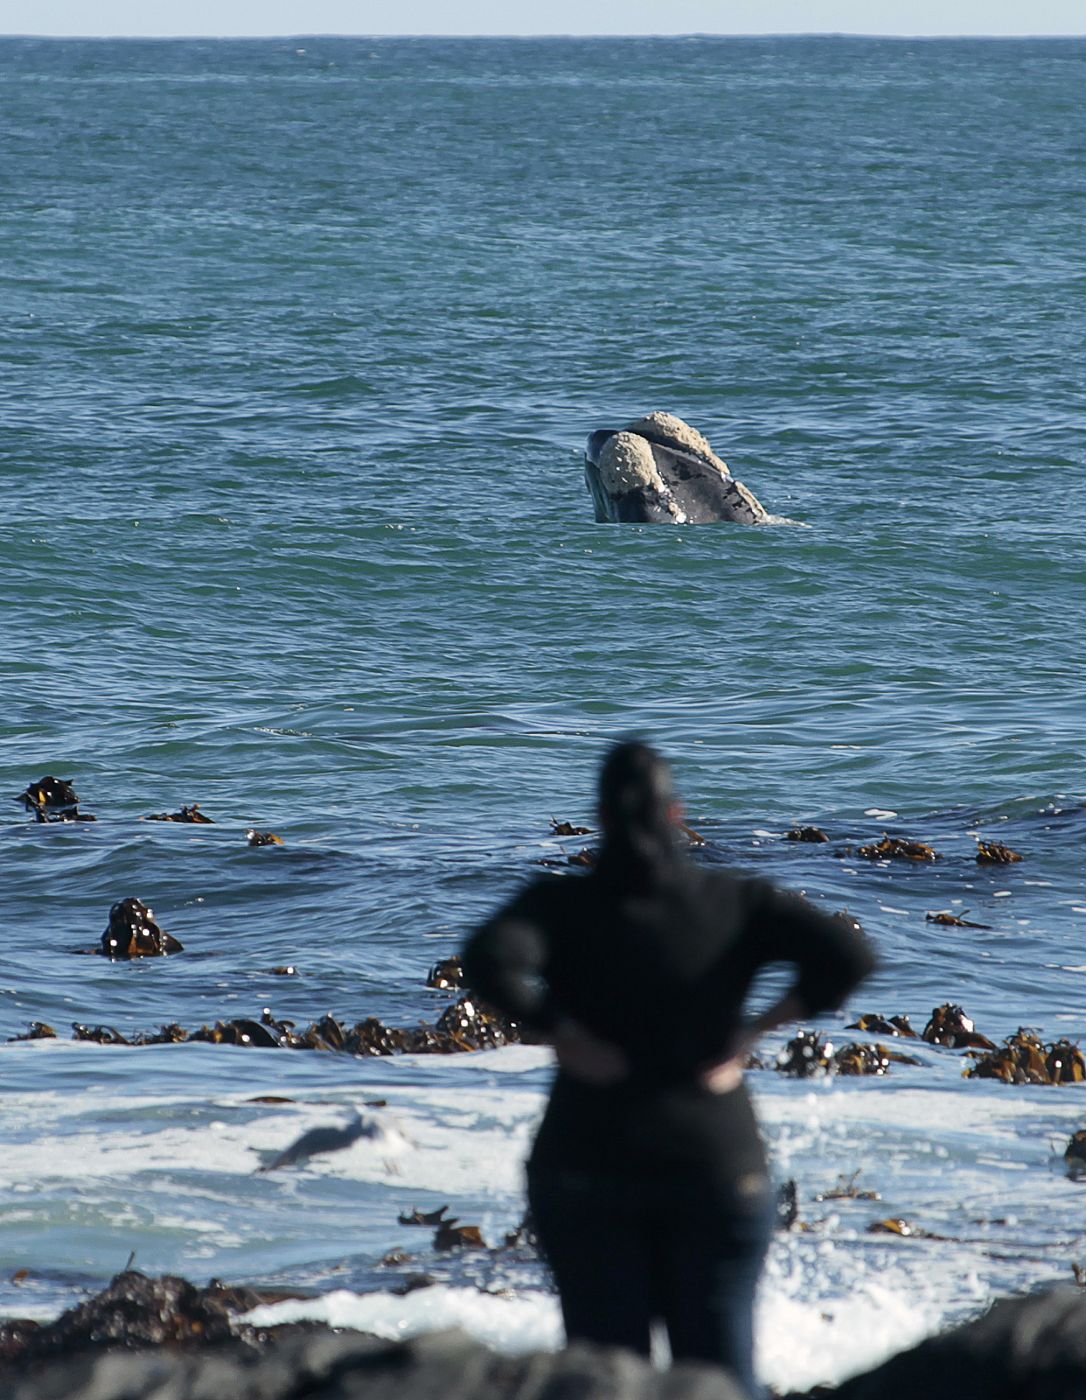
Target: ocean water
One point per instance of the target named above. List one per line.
(301, 342)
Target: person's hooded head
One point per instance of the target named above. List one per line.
(638, 810)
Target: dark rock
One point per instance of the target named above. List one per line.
(135, 1311)
(325, 1366)
(1031, 1347)
(167, 1339)
(15, 1335)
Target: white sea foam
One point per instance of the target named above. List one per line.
(88, 1178)
(800, 1340)
(527, 1322)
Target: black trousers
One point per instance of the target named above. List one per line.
(625, 1253)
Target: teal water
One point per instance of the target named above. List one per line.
(301, 343)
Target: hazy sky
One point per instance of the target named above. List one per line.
(161, 17)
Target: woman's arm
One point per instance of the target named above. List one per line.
(831, 954)
(725, 1075)
(505, 963)
(585, 1057)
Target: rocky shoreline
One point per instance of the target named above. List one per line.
(166, 1338)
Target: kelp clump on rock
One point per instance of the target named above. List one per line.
(136, 1311)
(53, 800)
(995, 853)
(808, 1055)
(133, 933)
(464, 1026)
(875, 1024)
(48, 792)
(810, 835)
(898, 848)
(1024, 1059)
(950, 1026)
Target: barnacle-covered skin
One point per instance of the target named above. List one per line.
(631, 479)
(660, 470)
(670, 431)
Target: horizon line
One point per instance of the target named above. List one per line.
(654, 34)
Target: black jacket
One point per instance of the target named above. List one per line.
(659, 963)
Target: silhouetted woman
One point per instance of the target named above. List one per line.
(647, 1181)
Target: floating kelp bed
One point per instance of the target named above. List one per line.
(468, 1024)
(1024, 1059)
(465, 1025)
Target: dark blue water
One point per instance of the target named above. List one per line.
(301, 341)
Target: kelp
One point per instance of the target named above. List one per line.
(847, 1190)
(133, 933)
(904, 1229)
(465, 1025)
(37, 1030)
(190, 814)
(136, 1311)
(806, 1055)
(995, 853)
(951, 1027)
(63, 814)
(446, 975)
(1024, 1059)
(262, 838)
(695, 838)
(875, 1024)
(450, 1234)
(809, 1054)
(48, 792)
(422, 1217)
(811, 835)
(898, 848)
(953, 920)
(1074, 1154)
(100, 1035)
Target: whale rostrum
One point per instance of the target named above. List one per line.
(660, 470)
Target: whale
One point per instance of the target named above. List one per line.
(661, 471)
